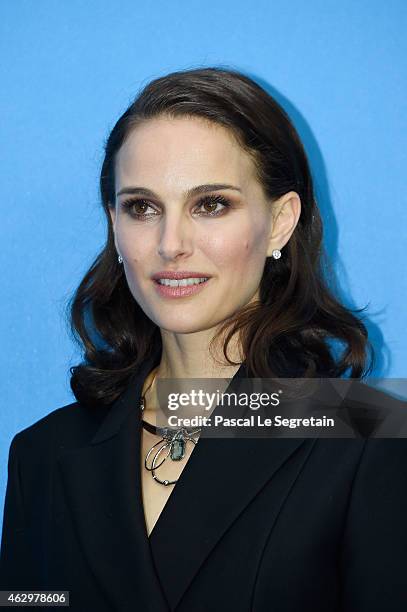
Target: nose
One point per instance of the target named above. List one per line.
(175, 237)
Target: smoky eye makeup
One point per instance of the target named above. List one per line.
(209, 205)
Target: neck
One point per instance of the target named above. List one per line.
(188, 356)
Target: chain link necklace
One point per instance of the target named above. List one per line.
(175, 440)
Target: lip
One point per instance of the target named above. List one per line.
(179, 292)
(179, 275)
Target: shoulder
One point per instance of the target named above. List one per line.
(374, 545)
(383, 467)
(68, 426)
(378, 499)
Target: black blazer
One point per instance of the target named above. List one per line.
(262, 525)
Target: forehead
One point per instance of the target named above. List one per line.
(175, 151)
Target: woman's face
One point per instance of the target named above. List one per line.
(187, 201)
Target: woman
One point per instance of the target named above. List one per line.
(205, 178)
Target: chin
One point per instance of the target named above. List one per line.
(184, 325)
(181, 327)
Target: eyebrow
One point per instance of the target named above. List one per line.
(187, 194)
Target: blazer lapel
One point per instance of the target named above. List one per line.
(221, 478)
(103, 490)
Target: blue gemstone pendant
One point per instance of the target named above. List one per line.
(177, 448)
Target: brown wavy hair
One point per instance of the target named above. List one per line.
(297, 323)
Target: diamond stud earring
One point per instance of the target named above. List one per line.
(276, 254)
(120, 259)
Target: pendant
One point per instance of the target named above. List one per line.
(177, 448)
(175, 440)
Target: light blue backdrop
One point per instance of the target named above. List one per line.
(68, 71)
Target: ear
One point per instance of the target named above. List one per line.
(286, 211)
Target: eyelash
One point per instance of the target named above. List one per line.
(210, 199)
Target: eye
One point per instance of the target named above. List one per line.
(137, 208)
(210, 205)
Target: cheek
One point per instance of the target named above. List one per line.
(242, 249)
(134, 246)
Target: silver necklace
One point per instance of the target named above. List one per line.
(175, 440)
